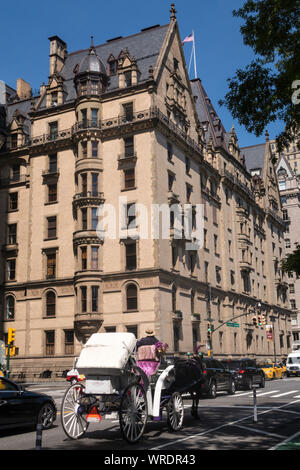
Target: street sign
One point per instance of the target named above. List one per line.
(234, 324)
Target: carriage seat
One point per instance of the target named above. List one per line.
(147, 359)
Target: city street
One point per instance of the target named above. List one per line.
(226, 423)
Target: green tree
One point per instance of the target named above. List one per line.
(291, 263)
(269, 87)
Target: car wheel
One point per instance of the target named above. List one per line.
(262, 382)
(231, 390)
(46, 415)
(212, 392)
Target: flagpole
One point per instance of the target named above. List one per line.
(194, 56)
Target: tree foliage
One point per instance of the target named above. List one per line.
(269, 87)
(291, 263)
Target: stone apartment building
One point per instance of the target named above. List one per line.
(122, 119)
(289, 186)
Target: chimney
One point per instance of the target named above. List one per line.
(58, 53)
(23, 89)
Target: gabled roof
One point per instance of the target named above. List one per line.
(207, 114)
(254, 156)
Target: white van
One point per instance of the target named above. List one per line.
(293, 364)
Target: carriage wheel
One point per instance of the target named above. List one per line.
(133, 413)
(73, 423)
(175, 412)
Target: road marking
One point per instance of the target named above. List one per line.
(283, 394)
(266, 393)
(221, 426)
(259, 431)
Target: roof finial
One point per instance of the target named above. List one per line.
(92, 42)
(173, 12)
(267, 135)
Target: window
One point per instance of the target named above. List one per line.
(131, 297)
(13, 201)
(94, 218)
(282, 185)
(129, 178)
(54, 98)
(130, 249)
(288, 243)
(218, 275)
(95, 290)
(128, 146)
(94, 148)
(131, 216)
(292, 288)
(83, 299)
(84, 183)
(51, 265)
(83, 258)
(84, 149)
(52, 192)
(174, 298)
(53, 130)
(94, 117)
(127, 76)
(49, 343)
(132, 329)
(9, 307)
(15, 173)
(176, 335)
(11, 269)
(94, 184)
(216, 244)
(84, 117)
(94, 263)
(94, 87)
(192, 302)
(293, 304)
(187, 165)
(50, 304)
(192, 262)
(170, 151)
(52, 160)
(14, 141)
(174, 256)
(112, 67)
(12, 234)
(128, 111)
(84, 219)
(188, 192)
(69, 342)
(51, 227)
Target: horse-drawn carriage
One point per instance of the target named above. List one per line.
(116, 386)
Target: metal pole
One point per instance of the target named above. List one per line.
(38, 442)
(254, 404)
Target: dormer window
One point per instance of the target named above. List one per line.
(128, 80)
(54, 98)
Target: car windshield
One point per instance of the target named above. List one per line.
(232, 365)
(265, 366)
(294, 360)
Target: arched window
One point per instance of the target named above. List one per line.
(131, 297)
(50, 304)
(10, 307)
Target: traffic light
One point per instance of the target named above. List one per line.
(254, 321)
(11, 335)
(264, 320)
(259, 320)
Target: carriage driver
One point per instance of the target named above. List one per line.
(148, 340)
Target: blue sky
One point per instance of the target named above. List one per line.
(26, 26)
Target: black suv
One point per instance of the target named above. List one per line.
(217, 378)
(246, 372)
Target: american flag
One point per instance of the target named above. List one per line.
(189, 38)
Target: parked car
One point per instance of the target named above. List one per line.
(246, 372)
(217, 378)
(73, 376)
(293, 364)
(271, 371)
(21, 407)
